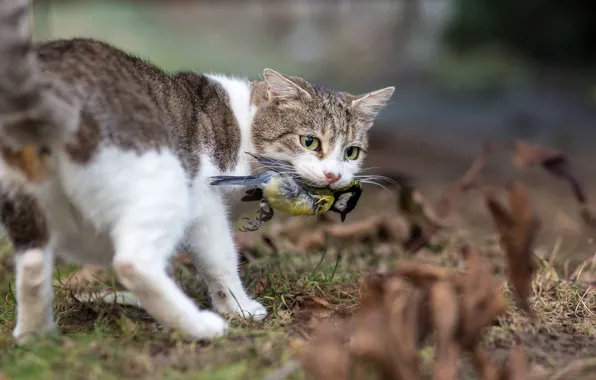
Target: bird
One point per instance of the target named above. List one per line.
(277, 188)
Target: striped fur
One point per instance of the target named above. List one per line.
(106, 160)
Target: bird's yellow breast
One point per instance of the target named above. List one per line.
(303, 204)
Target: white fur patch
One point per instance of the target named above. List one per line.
(313, 169)
(133, 211)
(238, 90)
(34, 293)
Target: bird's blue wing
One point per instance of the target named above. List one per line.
(271, 163)
(249, 180)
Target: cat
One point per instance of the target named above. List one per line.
(106, 160)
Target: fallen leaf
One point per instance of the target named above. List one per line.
(466, 182)
(424, 222)
(444, 310)
(325, 357)
(517, 366)
(528, 155)
(399, 310)
(320, 301)
(517, 228)
(485, 368)
(261, 286)
(557, 164)
(482, 299)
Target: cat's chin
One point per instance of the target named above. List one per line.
(337, 185)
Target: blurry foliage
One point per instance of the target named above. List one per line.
(550, 32)
(485, 70)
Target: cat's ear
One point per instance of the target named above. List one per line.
(370, 104)
(281, 88)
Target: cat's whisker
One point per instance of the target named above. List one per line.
(380, 178)
(370, 182)
(370, 168)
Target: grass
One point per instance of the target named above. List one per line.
(108, 341)
(112, 341)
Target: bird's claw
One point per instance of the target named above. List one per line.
(264, 214)
(265, 211)
(252, 225)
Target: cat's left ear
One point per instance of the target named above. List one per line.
(370, 104)
(282, 88)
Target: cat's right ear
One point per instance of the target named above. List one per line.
(282, 88)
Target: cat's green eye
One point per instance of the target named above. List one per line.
(352, 153)
(310, 142)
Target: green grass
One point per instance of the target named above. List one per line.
(112, 341)
(106, 341)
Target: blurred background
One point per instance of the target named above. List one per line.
(464, 70)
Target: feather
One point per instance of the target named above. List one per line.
(271, 163)
(250, 180)
(252, 195)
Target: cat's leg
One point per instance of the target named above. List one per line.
(152, 214)
(26, 228)
(210, 242)
(34, 293)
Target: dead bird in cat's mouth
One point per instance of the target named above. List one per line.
(277, 189)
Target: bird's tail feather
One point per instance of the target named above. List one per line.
(250, 180)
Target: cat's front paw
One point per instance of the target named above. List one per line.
(209, 327)
(24, 336)
(252, 310)
(249, 309)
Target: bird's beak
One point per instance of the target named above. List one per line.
(343, 217)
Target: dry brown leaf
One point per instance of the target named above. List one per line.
(320, 301)
(517, 227)
(400, 309)
(485, 368)
(557, 164)
(517, 366)
(466, 182)
(385, 331)
(444, 310)
(261, 286)
(528, 155)
(365, 228)
(424, 222)
(482, 299)
(524, 230)
(326, 357)
(423, 274)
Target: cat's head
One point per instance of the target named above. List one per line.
(322, 133)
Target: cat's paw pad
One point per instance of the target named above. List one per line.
(210, 326)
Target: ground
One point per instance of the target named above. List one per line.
(304, 285)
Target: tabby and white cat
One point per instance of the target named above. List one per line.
(123, 151)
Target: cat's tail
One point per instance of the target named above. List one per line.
(34, 110)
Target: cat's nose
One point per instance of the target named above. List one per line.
(332, 177)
